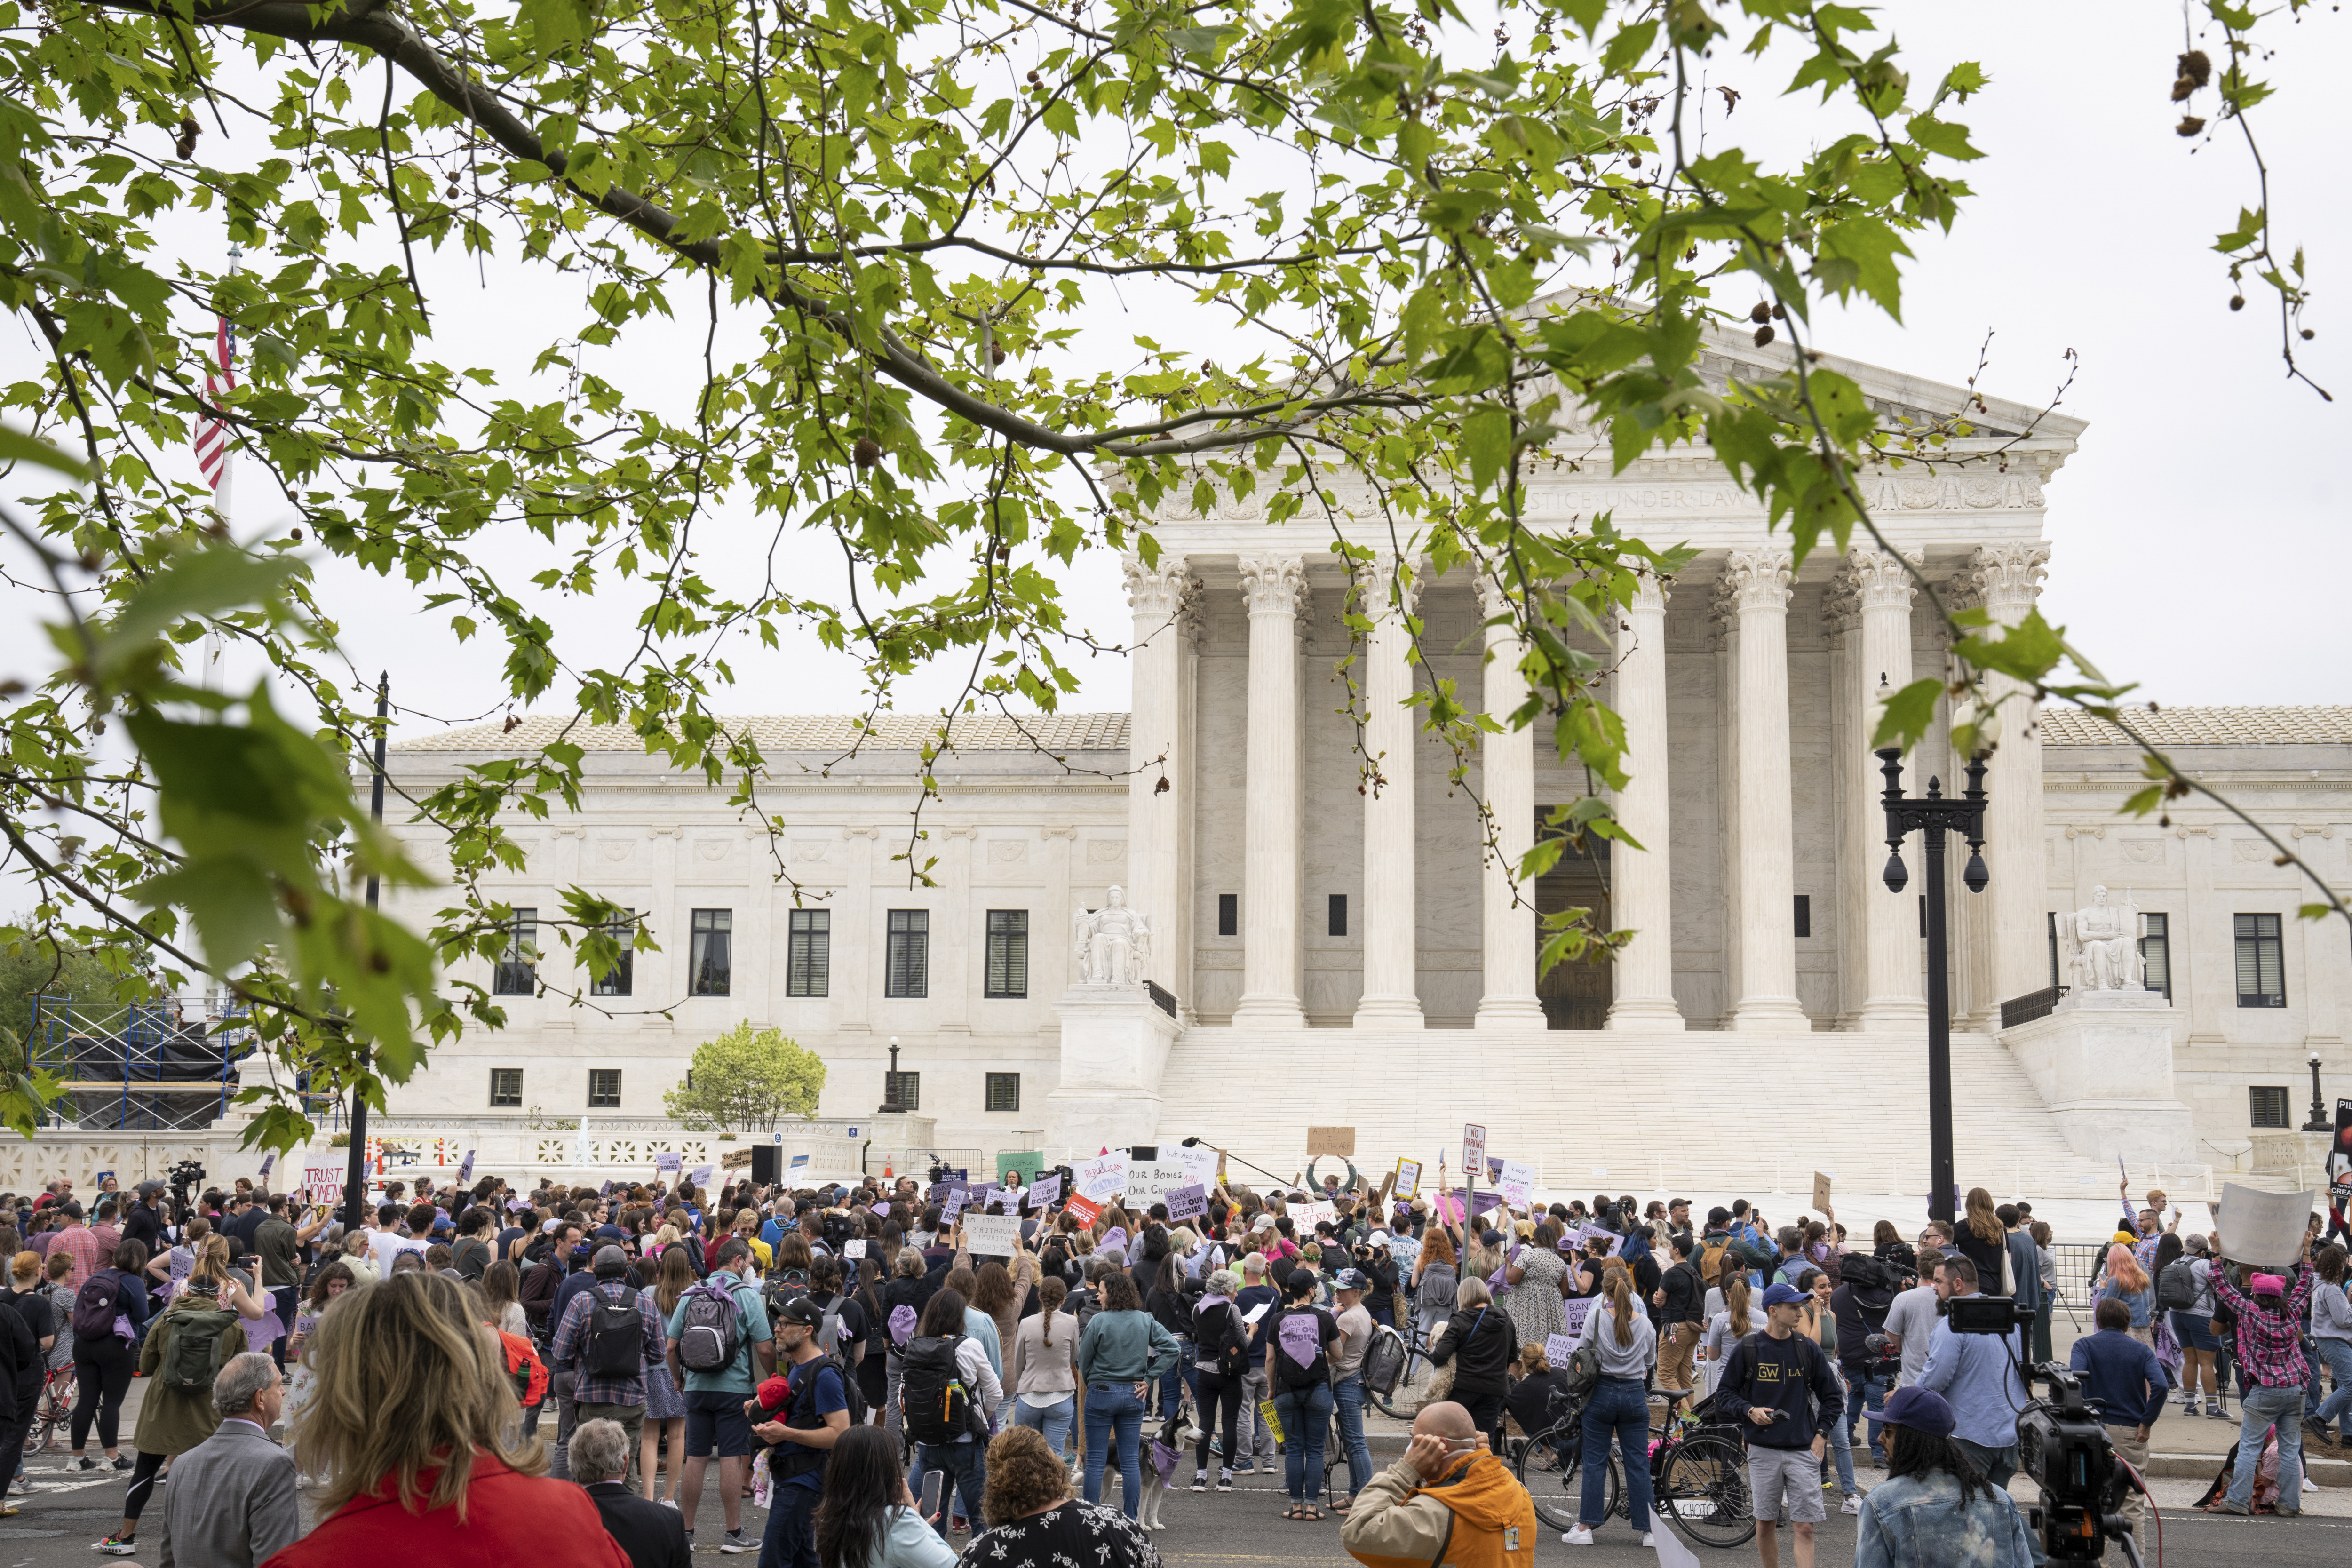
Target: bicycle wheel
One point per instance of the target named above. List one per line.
(1702, 1487)
(1555, 1480)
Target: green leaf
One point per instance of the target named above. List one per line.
(202, 582)
(1904, 716)
(20, 447)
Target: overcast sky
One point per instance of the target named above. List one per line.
(2198, 538)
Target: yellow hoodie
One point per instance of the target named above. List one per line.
(1477, 1516)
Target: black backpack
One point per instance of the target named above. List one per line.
(797, 1458)
(614, 1342)
(2176, 1288)
(1868, 1275)
(933, 1402)
(1294, 1373)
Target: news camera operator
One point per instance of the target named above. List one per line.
(1381, 1269)
(2125, 1380)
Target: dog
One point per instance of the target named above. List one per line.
(1163, 1458)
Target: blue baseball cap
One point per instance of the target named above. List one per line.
(1921, 1409)
(1780, 1293)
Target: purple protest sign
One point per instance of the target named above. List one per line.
(1187, 1203)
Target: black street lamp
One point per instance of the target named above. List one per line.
(2320, 1121)
(891, 1105)
(1934, 817)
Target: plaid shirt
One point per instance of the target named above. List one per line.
(571, 1339)
(89, 1254)
(2269, 1345)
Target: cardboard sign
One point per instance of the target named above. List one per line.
(1188, 1203)
(2265, 1229)
(1086, 1208)
(1560, 1348)
(1474, 1146)
(1102, 1178)
(992, 1234)
(1516, 1184)
(1820, 1191)
(1575, 1312)
(735, 1159)
(666, 1163)
(1408, 1179)
(1338, 1140)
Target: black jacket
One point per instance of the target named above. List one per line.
(1487, 1343)
(653, 1536)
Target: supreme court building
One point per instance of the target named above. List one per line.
(1325, 951)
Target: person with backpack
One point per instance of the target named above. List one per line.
(821, 1404)
(903, 1298)
(186, 1346)
(1296, 1342)
(947, 1394)
(1119, 1352)
(1482, 1336)
(1678, 1299)
(609, 1335)
(108, 1309)
(717, 1333)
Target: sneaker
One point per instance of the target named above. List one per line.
(1246, 1467)
(116, 1546)
(1648, 1540)
(121, 1461)
(84, 1462)
(670, 1503)
(1580, 1536)
(734, 1541)
(1224, 1480)
(1200, 1481)
(2218, 1414)
(1853, 1503)
(2228, 1505)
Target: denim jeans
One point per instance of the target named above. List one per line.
(1841, 1440)
(1114, 1411)
(1306, 1417)
(790, 1539)
(2258, 1411)
(2338, 1355)
(1619, 1408)
(966, 1468)
(1348, 1403)
(1866, 1395)
(1053, 1420)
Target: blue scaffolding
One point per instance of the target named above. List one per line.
(145, 1067)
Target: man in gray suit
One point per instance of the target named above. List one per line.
(230, 1503)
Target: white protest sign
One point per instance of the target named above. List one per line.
(1518, 1183)
(2265, 1229)
(1575, 1312)
(1559, 1348)
(1408, 1179)
(1102, 1178)
(1149, 1181)
(1199, 1161)
(324, 1182)
(1307, 1217)
(854, 1248)
(992, 1234)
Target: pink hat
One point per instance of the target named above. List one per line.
(2268, 1285)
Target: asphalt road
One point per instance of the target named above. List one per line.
(69, 1510)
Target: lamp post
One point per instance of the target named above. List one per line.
(2320, 1122)
(1936, 816)
(890, 1098)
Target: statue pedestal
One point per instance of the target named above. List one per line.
(2103, 1063)
(1115, 1045)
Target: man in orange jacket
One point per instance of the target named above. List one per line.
(1448, 1503)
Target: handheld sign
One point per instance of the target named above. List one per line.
(855, 1247)
(1518, 1183)
(1560, 1348)
(1408, 1179)
(953, 1204)
(992, 1234)
(1576, 1312)
(1338, 1140)
(1188, 1203)
(668, 1160)
(1086, 1208)
(700, 1176)
(1102, 1178)
(1820, 1191)
(2265, 1229)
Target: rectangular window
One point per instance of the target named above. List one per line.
(1008, 952)
(1339, 914)
(2262, 968)
(1004, 1091)
(1229, 914)
(506, 1086)
(2050, 932)
(710, 953)
(808, 953)
(2156, 955)
(906, 969)
(1804, 914)
(621, 978)
(517, 975)
(911, 1089)
(604, 1088)
(2266, 1106)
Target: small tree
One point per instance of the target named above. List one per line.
(746, 1080)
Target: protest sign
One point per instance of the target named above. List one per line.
(324, 1182)
(1516, 1184)
(1338, 1140)
(1821, 1191)
(992, 1234)
(1307, 1217)
(2265, 1229)
(700, 1176)
(1575, 1312)
(952, 1205)
(1408, 1179)
(855, 1247)
(735, 1159)
(880, 1211)
(1086, 1210)
(667, 1161)
(1587, 1235)
(1188, 1203)
(466, 1171)
(1198, 1163)
(1559, 1348)
(1102, 1178)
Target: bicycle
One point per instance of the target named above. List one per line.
(52, 1409)
(1699, 1479)
(1550, 1466)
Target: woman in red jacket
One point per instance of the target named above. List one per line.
(413, 1433)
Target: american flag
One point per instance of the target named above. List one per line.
(212, 432)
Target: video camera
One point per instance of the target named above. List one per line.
(1885, 1361)
(2061, 1444)
(181, 1177)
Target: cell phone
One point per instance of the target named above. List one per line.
(933, 1484)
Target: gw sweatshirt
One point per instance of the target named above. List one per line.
(1786, 1376)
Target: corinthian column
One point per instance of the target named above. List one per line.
(1158, 813)
(1758, 581)
(1507, 774)
(1644, 897)
(1878, 665)
(1389, 998)
(1273, 587)
(2006, 581)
